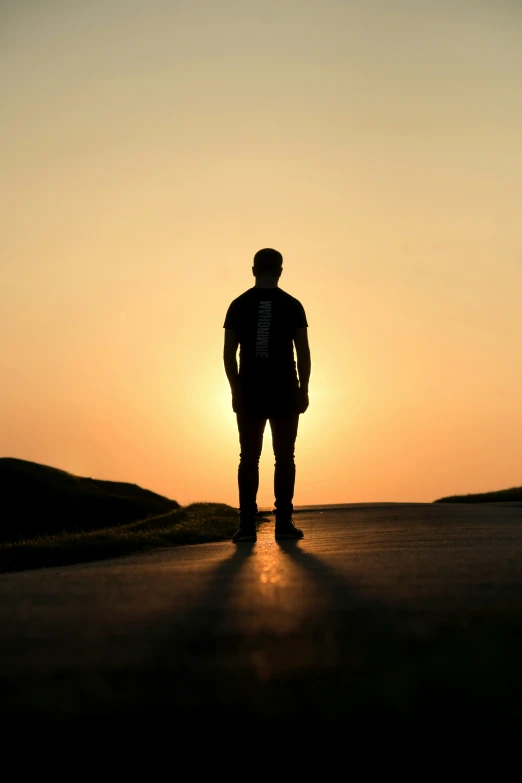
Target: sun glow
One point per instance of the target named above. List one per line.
(379, 152)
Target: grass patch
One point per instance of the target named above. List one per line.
(512, 495)
(194, 524)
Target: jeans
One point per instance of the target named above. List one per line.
(284, 433)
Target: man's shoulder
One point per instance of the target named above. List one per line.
(242, 297)
(291, 300)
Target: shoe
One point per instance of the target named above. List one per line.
(245, 533)
(287, 530)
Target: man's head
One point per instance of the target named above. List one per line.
(268, 262)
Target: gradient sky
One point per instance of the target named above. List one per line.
(151, 147)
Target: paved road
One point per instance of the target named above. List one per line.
(398, 621)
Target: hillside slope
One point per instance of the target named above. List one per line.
(38, 499)
(512, 495)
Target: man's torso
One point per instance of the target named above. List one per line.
(265, 321)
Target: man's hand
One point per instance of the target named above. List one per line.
(302, 400)
(237, 399)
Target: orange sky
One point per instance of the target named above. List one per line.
(151, 147)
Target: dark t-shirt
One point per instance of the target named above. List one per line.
(265, 320)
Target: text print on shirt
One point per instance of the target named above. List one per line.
(263, 328)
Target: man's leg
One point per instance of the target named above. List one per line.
(284, 433)
(251, 429)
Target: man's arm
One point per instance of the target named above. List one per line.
(230, 358)
(304, 365)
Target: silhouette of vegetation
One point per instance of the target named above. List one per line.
(38, 500)
(194, 524)
(53, 518)
(512, 495)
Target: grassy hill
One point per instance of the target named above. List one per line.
(37, 500)
(512, 495)
(53, 518)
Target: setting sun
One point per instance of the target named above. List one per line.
(146, 162)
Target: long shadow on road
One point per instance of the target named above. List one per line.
(214, 672)
(357, 673)
(351, 677)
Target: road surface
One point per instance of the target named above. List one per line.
(395, 623)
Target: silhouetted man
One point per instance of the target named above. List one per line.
(266, 322)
